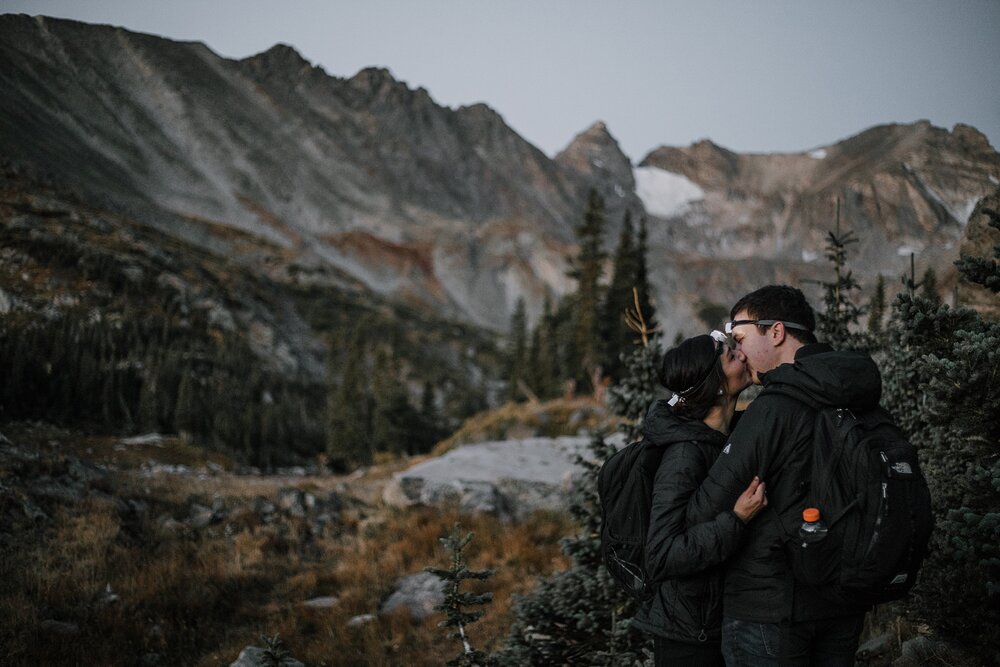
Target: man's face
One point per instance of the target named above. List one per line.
(756, 345)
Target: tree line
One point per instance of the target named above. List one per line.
(575, 344)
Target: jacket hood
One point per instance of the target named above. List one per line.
(830, 378)
(662, 427)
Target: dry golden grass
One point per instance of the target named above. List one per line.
(200, 597)
(518, 420)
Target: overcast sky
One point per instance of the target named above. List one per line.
(761, 76)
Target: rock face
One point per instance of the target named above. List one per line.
(363, 175)
(981, 240)
(764, 218)
(510, 478)
(596, 159)
(364, 181)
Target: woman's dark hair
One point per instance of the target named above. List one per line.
(694, 372)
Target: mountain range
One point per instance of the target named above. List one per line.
(367, 184)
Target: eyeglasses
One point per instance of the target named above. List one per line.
(765, 323)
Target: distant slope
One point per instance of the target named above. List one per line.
(365, 181)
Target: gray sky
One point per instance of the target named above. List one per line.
(761, 76)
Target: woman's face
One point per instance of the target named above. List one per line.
(734, 368)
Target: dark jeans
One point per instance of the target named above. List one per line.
(831, 642)
(668, 653)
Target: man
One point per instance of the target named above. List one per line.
(768, 618)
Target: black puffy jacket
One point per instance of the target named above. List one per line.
(688, 603)
(774, 440)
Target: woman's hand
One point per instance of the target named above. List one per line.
(751, 501)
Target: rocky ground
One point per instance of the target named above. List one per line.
(147, 550)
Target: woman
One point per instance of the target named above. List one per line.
(684, 616)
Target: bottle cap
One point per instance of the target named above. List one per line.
(810, 515)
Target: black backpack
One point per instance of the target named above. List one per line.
(625, 487)
(866, 481)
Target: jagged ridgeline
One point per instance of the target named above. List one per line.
(110, 325)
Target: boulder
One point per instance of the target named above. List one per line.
(252, 656)
(360, 620)
(509, 478)
(874, 649)
(418, 593)
(322, 602)
(200, 516)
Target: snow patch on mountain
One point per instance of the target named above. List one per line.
(664, 193)
(818, 154)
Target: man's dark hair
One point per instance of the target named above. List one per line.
(780, 302)
(693, 370)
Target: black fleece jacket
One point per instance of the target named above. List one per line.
(684, 558)
(774, 440)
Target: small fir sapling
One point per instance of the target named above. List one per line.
(456, 601)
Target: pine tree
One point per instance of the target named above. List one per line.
(517, 351)
(456, 601)
(184, 417)
(586, 269)
(348, 433)
(876, 308)
(546, 377)
(393, 416)
(617, 298)
(641, 282)
(840, 312)
(428, 430)
(928, 286)
(941, 380)
(639, 386)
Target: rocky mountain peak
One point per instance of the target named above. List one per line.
(378, 85)
(595, 141)
(279, 60)
(595, 155)
(971, 138)
(705, 162)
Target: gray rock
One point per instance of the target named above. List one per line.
(170, 527)
(253, 656)
(874, 648)
(200, 516)
(922, 650)
(147, 439)
(323, 602)
(510, 478)
(84, 472)
(418, 593)
(6, 302)
(59, 628)
(360, 620)
(293, 501)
